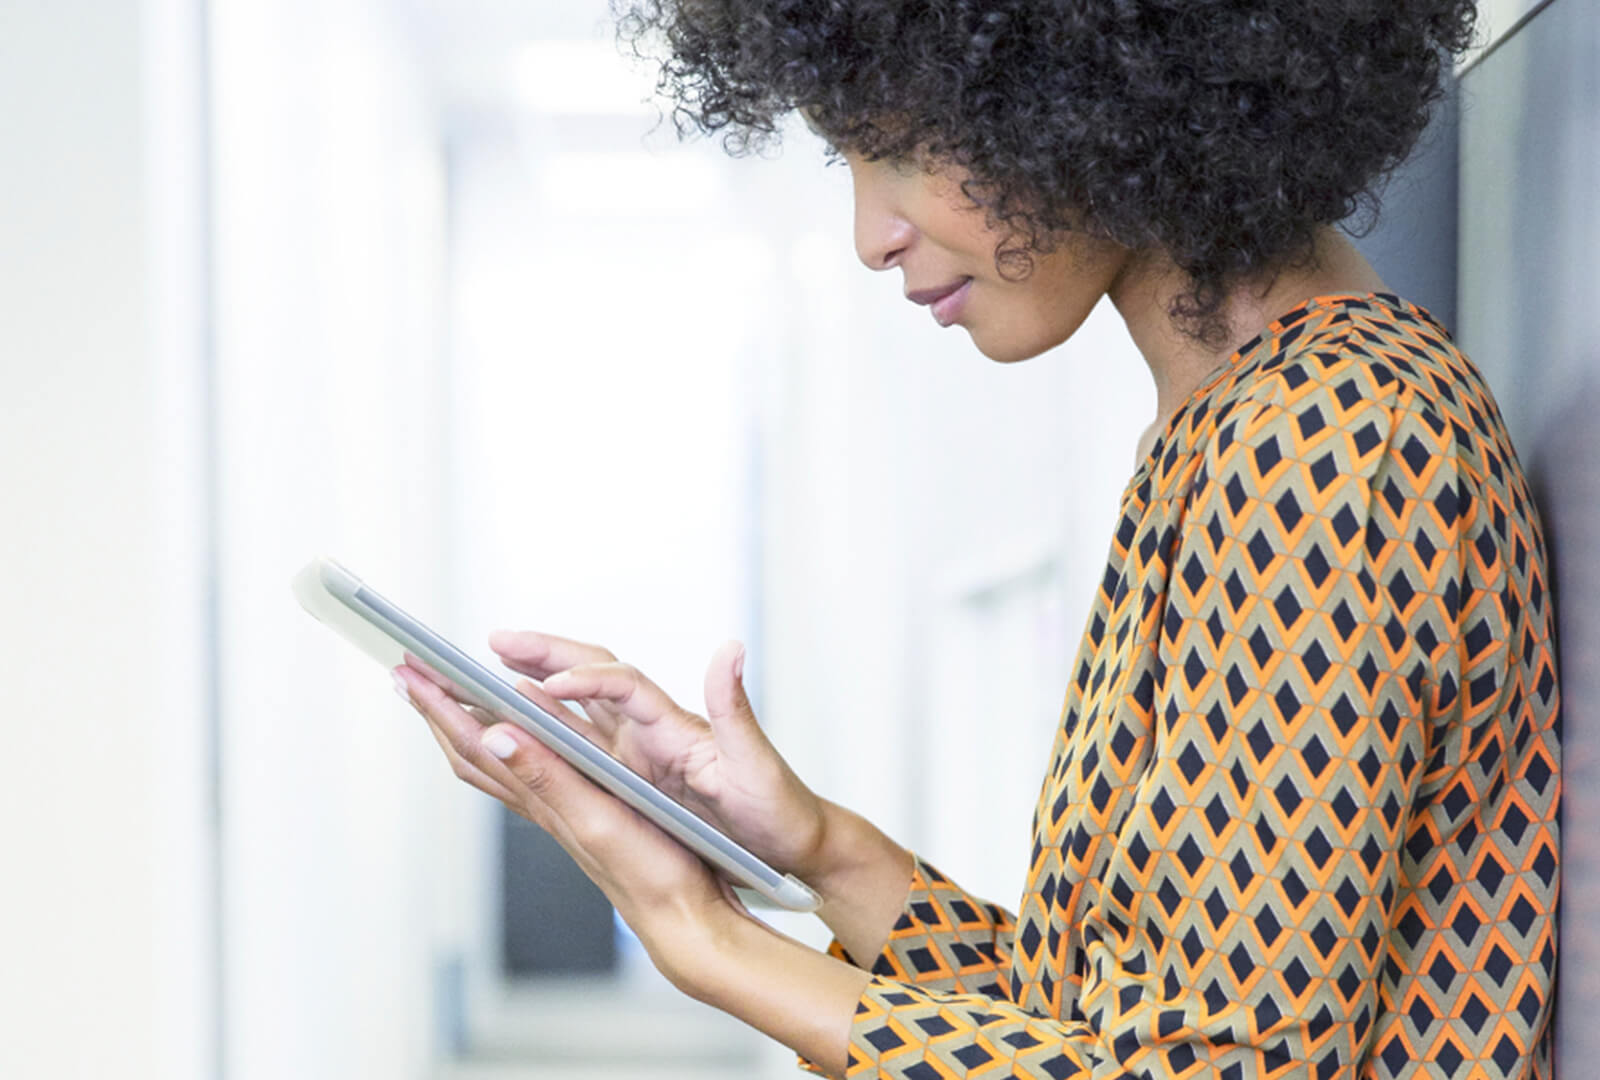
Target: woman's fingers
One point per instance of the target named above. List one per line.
(599, 733)
(538, 655)
(637, 866)
(624, 686)
(602, 716)
(421, 667)
(502, 760)
(564, 795)
(466, 770)
(452, 727)
(728, 710)
(592, 825)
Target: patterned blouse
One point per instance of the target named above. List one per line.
(1300, 817)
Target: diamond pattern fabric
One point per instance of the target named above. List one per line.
(1300, 816)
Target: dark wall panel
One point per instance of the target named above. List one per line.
(553, 919)
(1413, 246)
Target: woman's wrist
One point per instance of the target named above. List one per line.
(853, 857)
(800, 997)
(862, 876)
(688, 948)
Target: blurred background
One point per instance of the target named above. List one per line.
(429, 287)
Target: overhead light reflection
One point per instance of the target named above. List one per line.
(581, 78)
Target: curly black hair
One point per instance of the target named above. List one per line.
(1223, 133)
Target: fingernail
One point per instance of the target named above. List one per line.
(498, 639)
(738, 664)
(400, 687)
(500, 744)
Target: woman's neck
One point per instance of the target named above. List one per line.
(1179, 364)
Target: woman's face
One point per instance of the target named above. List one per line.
(918, 220)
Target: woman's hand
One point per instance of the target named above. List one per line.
(721, 765)
(671, 899)
(689, 921)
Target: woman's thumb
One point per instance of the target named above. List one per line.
(727, 708)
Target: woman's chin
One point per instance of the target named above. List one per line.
(1012, 349)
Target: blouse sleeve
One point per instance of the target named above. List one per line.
(946, 939)
(1242, 924)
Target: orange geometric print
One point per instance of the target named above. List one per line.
(1300, 817)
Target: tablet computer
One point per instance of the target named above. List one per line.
(387, 633)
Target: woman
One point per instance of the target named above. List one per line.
(1300, 816)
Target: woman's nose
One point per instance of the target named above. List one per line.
(882, 233)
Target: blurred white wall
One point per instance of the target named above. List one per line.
(105, 913)
(606, 318)
(338, 839)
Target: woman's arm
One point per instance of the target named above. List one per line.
(802, 998)
(863, 877)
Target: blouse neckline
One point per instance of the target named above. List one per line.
(1274, 329)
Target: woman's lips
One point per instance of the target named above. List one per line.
(945, 301)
